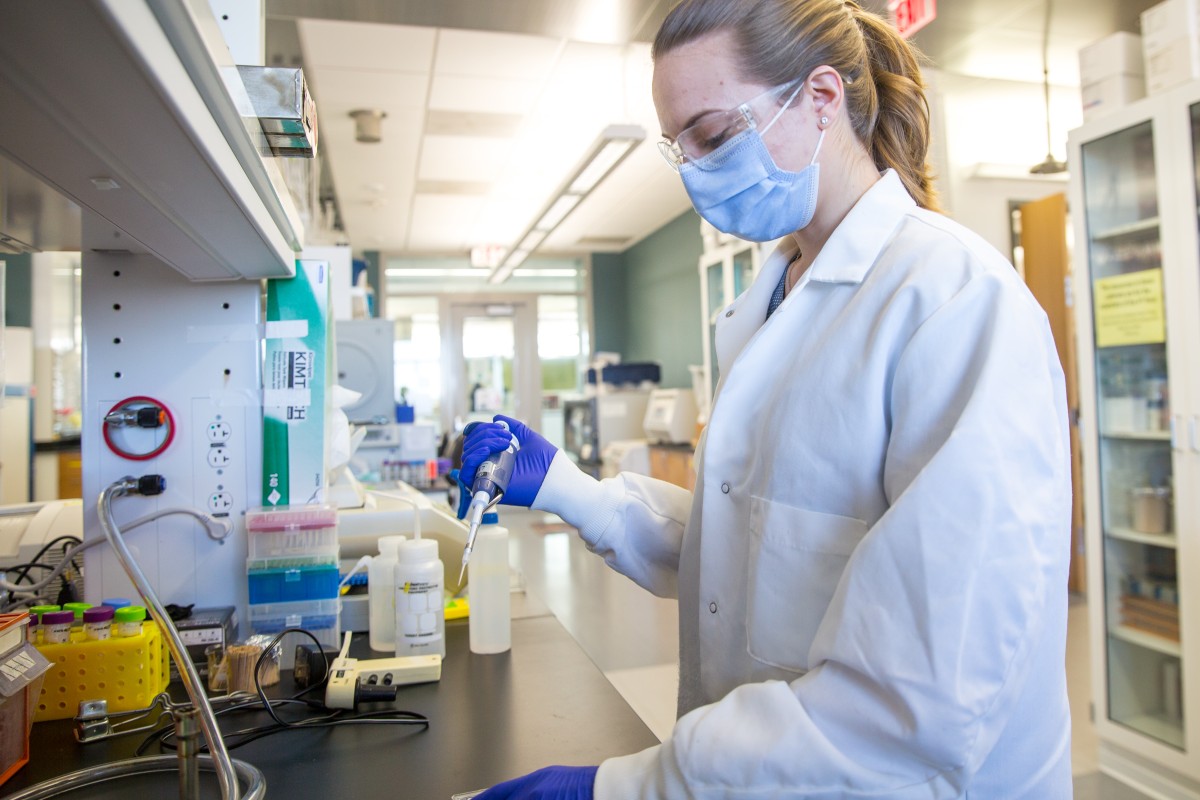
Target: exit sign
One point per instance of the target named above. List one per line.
(912, 15)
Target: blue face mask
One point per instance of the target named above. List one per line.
(740, 191)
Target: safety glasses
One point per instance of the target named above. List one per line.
(718, 127)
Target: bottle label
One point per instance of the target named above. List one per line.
(418, 612)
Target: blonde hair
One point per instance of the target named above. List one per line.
(781, 40)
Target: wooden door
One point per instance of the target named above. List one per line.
(1048, 274)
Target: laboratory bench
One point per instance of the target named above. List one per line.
(491, 718)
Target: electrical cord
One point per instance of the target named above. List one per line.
(337, 717)
(217, 530)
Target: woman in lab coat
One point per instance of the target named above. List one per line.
(871, 572)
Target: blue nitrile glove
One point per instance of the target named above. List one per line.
(464, 493)
(481, 439)
(549, 783)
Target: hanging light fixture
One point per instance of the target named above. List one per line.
(1050, 165)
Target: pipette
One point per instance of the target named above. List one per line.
(491, 479)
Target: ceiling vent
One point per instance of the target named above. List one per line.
(368, 125)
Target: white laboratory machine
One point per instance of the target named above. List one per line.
(670, 416)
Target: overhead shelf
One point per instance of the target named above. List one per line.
(113, 103)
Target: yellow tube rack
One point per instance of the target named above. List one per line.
(127, 671)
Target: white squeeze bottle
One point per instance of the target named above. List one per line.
(487, 583)
(381, 595)
(420, 607)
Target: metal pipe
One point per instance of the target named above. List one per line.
(187, 671)
(256, 784)
(187, 738)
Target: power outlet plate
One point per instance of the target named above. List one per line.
(194, 348)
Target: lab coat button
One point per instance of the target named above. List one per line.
(729, 313)
(712, 607)
(724, 488)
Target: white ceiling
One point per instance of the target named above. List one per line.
(482, 125)
(481, 128)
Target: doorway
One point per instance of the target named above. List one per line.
(491, 365)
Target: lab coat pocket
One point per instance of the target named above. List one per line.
(796, 559)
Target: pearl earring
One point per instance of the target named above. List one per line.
(824, 120)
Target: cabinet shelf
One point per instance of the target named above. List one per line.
(1130, 230)
(1158, 726)
(1146, 640)
(1141, 436)
(1155, 539)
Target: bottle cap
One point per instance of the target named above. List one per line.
(389, 544)
(98, 614)
(416, 550)
(39, 610)
(116, 602)
(491, 518)
(58, 617)
(77, 608)
(130, 614)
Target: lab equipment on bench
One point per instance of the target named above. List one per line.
(353, 681)
(670, 416)
(487, 487)
(593, 423)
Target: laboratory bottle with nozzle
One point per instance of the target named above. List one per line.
(381, 595)
(420, 606)
(487, 586)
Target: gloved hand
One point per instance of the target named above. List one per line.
(481, 439)
(549, 783)
(464, 494)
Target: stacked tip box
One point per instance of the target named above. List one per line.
(292, 572)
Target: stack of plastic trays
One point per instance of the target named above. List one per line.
(292, 571)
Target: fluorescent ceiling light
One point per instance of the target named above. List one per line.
(437, 272)
(532, 241)
(534, 272)
(604, 161)
(612, 146)
(557, 212)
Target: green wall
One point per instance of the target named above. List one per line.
(659, 319)
(609, 302)
(18, 290)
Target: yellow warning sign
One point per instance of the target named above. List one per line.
(1129, 309)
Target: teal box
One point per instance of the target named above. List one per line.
(296, 381)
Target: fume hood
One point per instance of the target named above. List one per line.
(123, 107)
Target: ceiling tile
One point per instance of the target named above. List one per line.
(495, 55)
(462, 158)
(494, 95)
(440, 222)
(361, 45)
(339, 90)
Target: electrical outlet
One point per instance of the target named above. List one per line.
(220, 503)
(218, 456)
(219, 432)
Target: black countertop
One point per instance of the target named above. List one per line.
(491, 718)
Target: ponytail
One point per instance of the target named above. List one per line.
(898, 123)
(781, 40)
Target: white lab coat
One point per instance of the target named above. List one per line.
(872, 579)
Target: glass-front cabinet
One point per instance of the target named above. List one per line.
(726, 270)
(1136, 209)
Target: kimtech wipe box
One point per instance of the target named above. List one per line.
(296, 380)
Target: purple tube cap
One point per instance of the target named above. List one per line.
(98, 614)
(58, 617)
